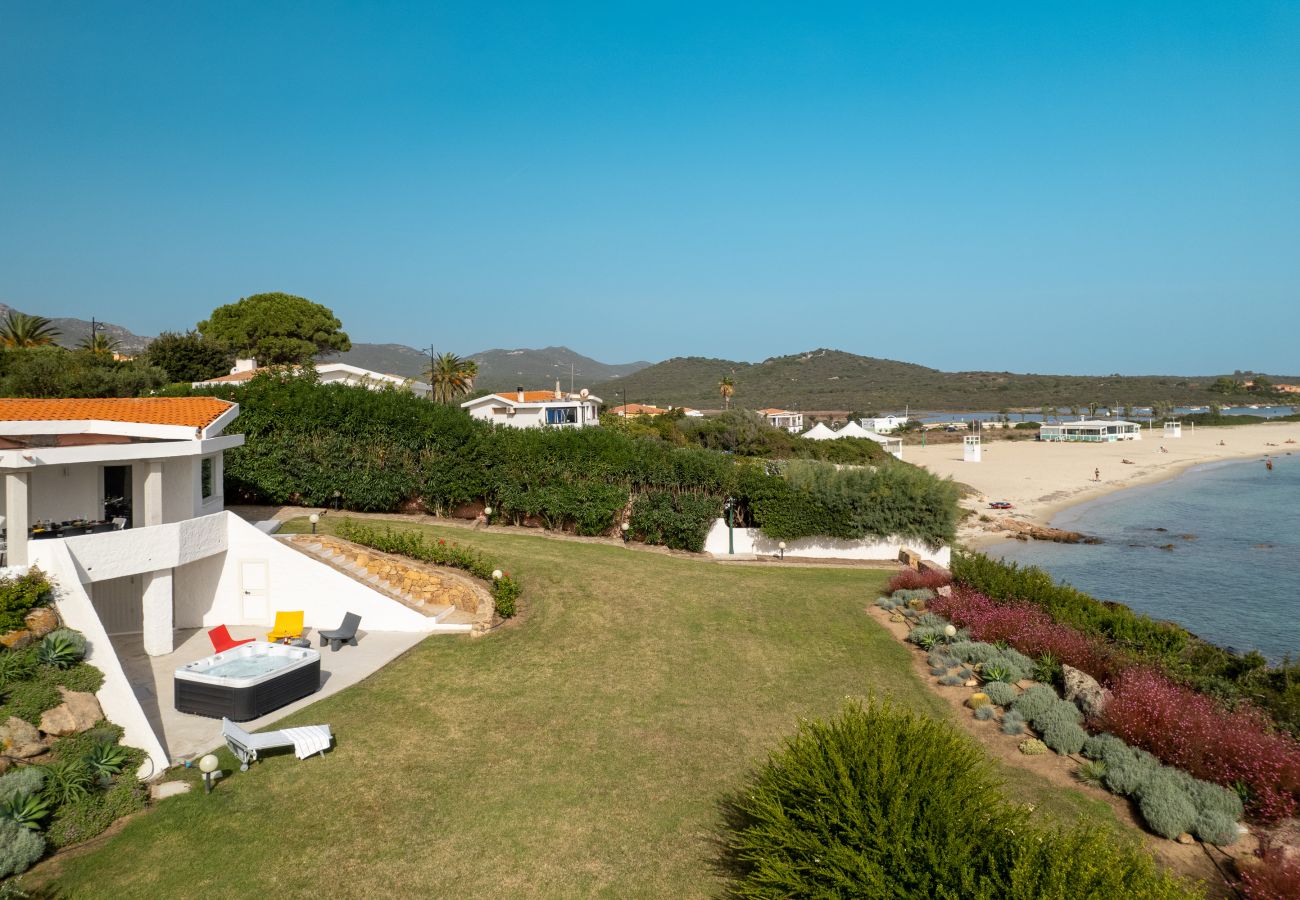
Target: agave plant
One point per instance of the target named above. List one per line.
(16, 665)
(60, 650)
(67, 781)
(26, 811)
(107, 759)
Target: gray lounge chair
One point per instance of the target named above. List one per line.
(246, 746)
(345, 633)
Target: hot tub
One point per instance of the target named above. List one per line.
(247, 681)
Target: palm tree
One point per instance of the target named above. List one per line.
(99, 343)
(727, 387)
(22, 330)
(1048, 412)
(451, 377)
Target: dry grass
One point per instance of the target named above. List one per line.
(580, 751)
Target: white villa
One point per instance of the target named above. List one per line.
(784, 418)
(1091, 430)
(537, 409)
(120, 502)
(328, 373)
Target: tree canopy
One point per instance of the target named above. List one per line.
(276, 329)
(55, 372)
(188, 357)
(22, 330)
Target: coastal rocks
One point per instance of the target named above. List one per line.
(41, 621)
(1032, 531)
(1084, 691)
(20, 740)
(78, 712)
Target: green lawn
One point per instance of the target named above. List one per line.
(581, 750)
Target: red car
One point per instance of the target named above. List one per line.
(999, 504)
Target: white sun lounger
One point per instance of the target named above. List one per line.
(246, 745)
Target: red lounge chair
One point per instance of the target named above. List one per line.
(222, 641)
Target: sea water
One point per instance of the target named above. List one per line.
(1216, 549)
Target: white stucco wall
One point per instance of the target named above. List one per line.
(137, 551)
(116, 697)
(752, 540)
(67, 492)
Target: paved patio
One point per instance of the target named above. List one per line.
(185, 736)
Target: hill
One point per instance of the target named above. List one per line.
(835, 380)
(498, 369)
(72, 331)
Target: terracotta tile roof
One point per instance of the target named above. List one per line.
(195, 412)
(247, 375)
(529, 396)
(638, 409)
(777, 412)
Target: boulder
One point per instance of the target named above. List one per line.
(41, 621)
(1084, 691)
(78, 712)
(16, 640)
(20, 739)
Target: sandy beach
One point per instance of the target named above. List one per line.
(1040, 479)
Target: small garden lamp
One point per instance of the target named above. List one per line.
(496, 574)
(950, 631)
(338, 495)
(487, 515)
(781, 547)
(314, 519)
(208, 765)
(625, 528)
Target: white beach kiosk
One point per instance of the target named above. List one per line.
(120, 502)
(1094, 431)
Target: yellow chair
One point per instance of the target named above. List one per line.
(287, 625)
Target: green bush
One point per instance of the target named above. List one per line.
(984, 713)
(1061, 712)
(84, 819)
(1216, 828)
(67, 781)
(1000, 693)
(1092, 774)
(26, 811)
(1065, 737)
(28, 699)
(1035, 701)
(505, 596)
(19, 848)
(952, 680)
(1165, 806)
(21, 783)
(1098, 746)
(81, 677)
(19, 594)
(676, 520)
(16, 665)
(880, 802)
(1013, 722)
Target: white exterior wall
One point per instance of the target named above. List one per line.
(67, 492)
(753, 541)
(116, 696)
(533, 416)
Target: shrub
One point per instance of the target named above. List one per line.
(1065, 737)
(62, 648)
(1216, 828)
(985, 713)
(997, 672)
(16, 665)
(1047, 669)
(877, 802)
(1035, 701)
(21, 783)
(19, 848)
(105, 760)
(26, 811)
(1060, 712)
(952, 680)
(67, 781)
(676, 520)
(1194, 733)
(938, 670)
(1092, 774)
(1099, 745)
(1125, 774)
(1000, 693)
(925, 595)
(885, 603)
(28, 699)
(1033, 747)
(913, 579)
(925, 636)
(81, 677)
(82, 820)
(1013, 722)
(1086, 862)
(19, 594)
(1274, 876)
(1165, 806)
(505, 596)
(930, 620)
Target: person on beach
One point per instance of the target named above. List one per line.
(1096, 474)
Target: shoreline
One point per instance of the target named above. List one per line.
(1041, 480)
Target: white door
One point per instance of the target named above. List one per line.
(253, 585)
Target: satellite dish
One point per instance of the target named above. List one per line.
(584, 393)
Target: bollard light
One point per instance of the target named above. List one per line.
(950, 630)
(625, 528)
(313, 519)
(208, 765)
(781, 547)
(487, 515)
(496, 574)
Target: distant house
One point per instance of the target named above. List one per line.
(884, 424)
(690, 413)
(1091, 431)
(784, 418)
(537, 409)
(638, 409)
(328, 373)
(1287, 388)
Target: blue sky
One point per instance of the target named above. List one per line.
(1026, 186)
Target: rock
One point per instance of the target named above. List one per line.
(971, 682)
(1024, 531)
(78, 712)
(41, 621)
(16, 640)
(945, 591)
(20, 739)
(1084, 691)
(975, 701)
(1185, 838)
(169, 789)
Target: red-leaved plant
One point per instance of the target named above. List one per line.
(912, 580)
(1194, 732)
(1276, 876)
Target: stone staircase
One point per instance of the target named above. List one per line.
(446, 597)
